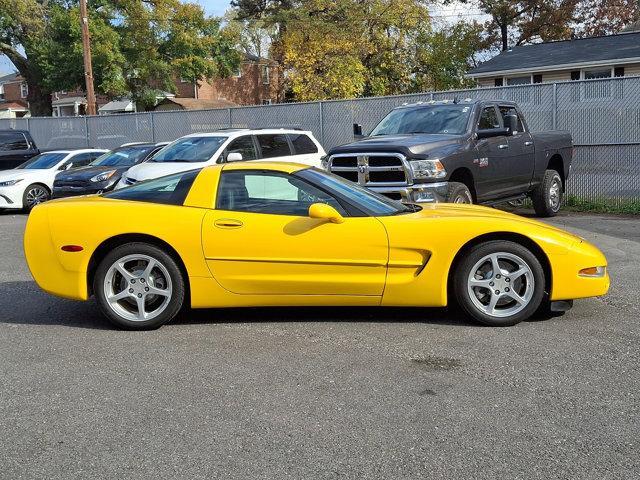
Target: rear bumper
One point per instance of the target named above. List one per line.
(418, 193)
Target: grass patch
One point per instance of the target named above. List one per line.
(602, 205)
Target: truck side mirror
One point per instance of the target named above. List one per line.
(357, 130)
(511, 123)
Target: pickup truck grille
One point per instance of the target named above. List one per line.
(370, 168)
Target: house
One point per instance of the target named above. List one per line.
(578, 59)
(13, 96)
(256, 82)
(73, 103)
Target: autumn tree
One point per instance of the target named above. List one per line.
(604, 17)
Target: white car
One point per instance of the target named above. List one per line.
(31, 183)
(202, 149)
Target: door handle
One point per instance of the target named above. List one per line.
(528, 144)
(503, 146)
(227, 223)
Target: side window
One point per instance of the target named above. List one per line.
(506, 111)
(169, 190)
(269, 192)
(488, 119)
(302, 144)
(80, 160)
(13, 141)
(274, 145)
(244, 146)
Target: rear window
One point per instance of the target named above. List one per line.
(303, 144)
(169, 190)
(274, 145)
(13, 141)
(122, 157)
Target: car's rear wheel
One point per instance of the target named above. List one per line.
(499, 283)
(139, 286)
(34, 195)
(547, 197)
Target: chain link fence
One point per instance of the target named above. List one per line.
(603, 116)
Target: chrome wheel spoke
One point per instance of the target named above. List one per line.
(492, 303)
(482, 283)
(495, 264)
(142, 313)
(126, 274)
(147, 271)
(513, 295)
(158, 291)
(523, 270)
(118, 296)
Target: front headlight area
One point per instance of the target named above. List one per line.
(103, 177)
(431, 168)
(10, 183)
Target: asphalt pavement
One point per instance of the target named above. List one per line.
(305, 393)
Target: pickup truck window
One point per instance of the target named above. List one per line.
(432, 119)
(508, 111)
(13, 141)
(488, 119)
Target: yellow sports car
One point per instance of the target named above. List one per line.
(266, 234)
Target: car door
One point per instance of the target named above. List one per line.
(260, 240)
(15, 149)
(274, 147)
(521, 152)
(492, 156)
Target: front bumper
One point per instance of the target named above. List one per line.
(11, 197)
(417, 193)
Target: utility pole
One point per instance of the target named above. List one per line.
(86, 48)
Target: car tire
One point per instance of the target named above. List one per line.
(547, 197)
(489, 294)
(33, 195)
(125, 282)
(459, 193)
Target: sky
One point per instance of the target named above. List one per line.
(451, 13)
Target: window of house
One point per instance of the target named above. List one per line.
(523, 80)
(267, 192)
(599, 73)
(184, 80)
(274, 145)
(488, 119)
(238, 72)
(266, 101)
(24, 90)
(243, 145)
(1, 91)
(265, 74)
(618, 72)
(302, 144)
(537, 78)
(498, 82)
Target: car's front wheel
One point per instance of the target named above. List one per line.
(499, 283)
(34, 195)
(138, 286)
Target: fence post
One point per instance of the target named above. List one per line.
(86, 130)
(321, 112)
(555, 106)
(229, 116)
(153, 128)
(431, 96)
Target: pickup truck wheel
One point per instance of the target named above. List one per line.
(547, 197)
(458, 193)
(499, 283)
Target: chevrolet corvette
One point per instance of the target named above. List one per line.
(281, 234)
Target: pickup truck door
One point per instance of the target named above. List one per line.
(490, 165)
(15, 149)
(521, 154)
(261, 241)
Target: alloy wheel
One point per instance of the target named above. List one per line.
(555, 193)
(501, 284)
(36, 196)
(138, 288)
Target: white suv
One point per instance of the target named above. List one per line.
(232, 145)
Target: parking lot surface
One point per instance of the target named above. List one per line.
(322, 393)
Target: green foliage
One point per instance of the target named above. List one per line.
(603, 205)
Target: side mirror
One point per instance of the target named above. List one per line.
(234, 157)
(512, 123)
(325, 212)
(65, 167)
(357, 130)
(493, 132)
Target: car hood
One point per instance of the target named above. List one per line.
(149, 170)
(6, 175)
(408, 144)
(86, 173)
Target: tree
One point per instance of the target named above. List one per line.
(138, 46)
(252, 36)
(605, 17)
(443, 57)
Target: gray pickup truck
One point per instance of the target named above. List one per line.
(470, 151)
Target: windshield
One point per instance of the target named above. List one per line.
(121, 157)
(368, 201)
(434, 119)
(42, 161)
(190, 149)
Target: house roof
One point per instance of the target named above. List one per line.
(197, 104)
(11, 77)
(13, 106)
(123, 105)
(69, 101)
(581, 52)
